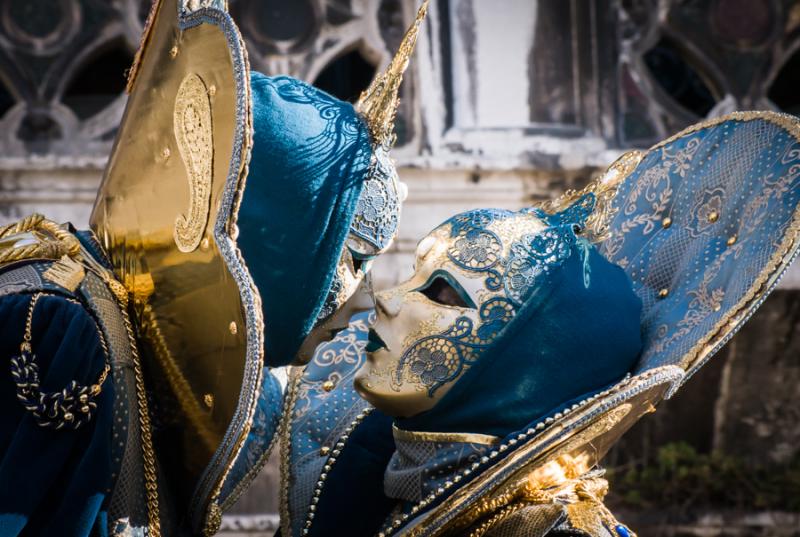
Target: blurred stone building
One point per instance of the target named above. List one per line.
(508, 102)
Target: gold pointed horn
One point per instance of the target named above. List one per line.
(378, 103)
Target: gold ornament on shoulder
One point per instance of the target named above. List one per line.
(193, 133)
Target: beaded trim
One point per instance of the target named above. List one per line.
(335, 452)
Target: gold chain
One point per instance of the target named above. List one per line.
(150, 477)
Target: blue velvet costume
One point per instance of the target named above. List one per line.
(60, 481)
(311, 155)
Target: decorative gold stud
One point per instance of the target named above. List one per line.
(713, 216)
(208, 399)
(328, 385)
(165, 153)
(85, 409)
(664, 293)
(204, 244)
(732, 240)
(173, 52)
(83, 398)
(234, 329)
(324, 450)
(212, 90)
(666, 222)
(68, 416)
(717, 307)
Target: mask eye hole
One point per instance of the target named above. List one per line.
(441, 290)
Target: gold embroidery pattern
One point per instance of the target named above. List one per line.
(604, 189)
(285, 434)
(653, 189)
(193, 132)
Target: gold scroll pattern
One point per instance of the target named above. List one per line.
(192, 122)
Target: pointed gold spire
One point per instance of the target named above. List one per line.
(378, 103)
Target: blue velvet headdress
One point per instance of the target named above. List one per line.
(319, 172)
(311, 153)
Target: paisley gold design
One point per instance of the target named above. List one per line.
(192, 122)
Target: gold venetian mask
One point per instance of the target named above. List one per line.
(471, 275)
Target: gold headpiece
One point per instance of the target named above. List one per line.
(378, 103)
(604, 189)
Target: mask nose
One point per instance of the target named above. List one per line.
(388, 303)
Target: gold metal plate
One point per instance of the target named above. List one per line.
(163, 193)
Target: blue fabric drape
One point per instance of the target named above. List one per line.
(311, 154)
(54, 482)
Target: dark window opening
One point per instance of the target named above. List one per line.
(6, 99)
(288, 21)
(346, 77)
(98, 82)
(37, 129)
(784, 89)
(676, 76)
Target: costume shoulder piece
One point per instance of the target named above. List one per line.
(705, 224)
(62, 280)
(166, 214)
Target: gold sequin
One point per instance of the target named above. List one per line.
(173, 52)
(233, 328)
(732, 240)
(666, 222)
(713, 216)
(208, 399)
(328, 385)
(324, 450)
(664, 293)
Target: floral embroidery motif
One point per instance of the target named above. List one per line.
(378, 210)
(700, 217)
(708, 204)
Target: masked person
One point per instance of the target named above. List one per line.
(237, 215)
(527, 342)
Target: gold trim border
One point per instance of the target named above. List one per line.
(466, 438)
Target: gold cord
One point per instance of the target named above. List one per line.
(60, 241)
(148, 454)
